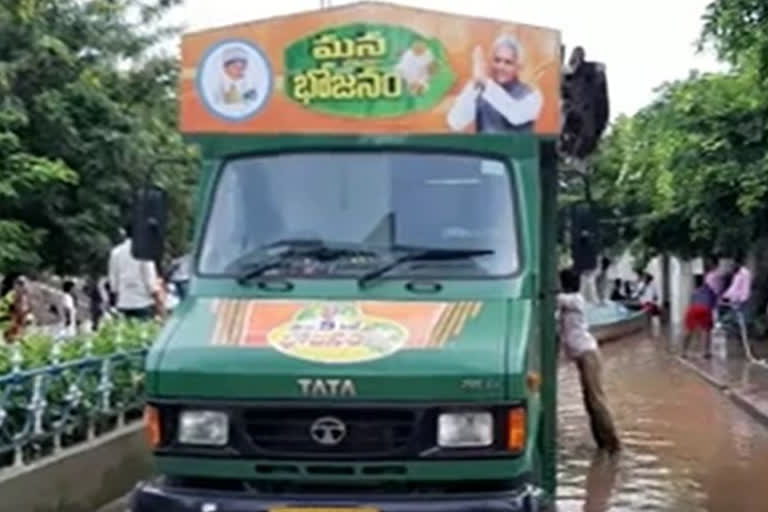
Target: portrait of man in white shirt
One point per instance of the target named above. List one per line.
(236, 85)
(495, 99)
(416, 66)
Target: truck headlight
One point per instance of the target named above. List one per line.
(465, 429)
(208, 428)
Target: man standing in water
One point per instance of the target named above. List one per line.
(582, 348)
(495, 98)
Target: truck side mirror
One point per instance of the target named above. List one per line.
(149, 221)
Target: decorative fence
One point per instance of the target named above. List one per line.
(56, 394)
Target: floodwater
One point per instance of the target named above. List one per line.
(687, 448)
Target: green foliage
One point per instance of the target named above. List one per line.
(72, 382)
(37, 349)
(738, 30)
(87, 108)
(690, 171)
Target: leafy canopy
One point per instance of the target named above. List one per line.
(87, 107)
(688, 174)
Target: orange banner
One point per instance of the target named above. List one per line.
(371, 68)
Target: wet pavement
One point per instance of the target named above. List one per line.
(687, 446)
(745, 383)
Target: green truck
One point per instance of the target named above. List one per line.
(369, 320)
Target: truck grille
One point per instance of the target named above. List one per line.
(371, 432)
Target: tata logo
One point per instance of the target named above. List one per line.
(328, 431)
(327, 387)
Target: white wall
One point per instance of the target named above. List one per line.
(681, 277)
(622, 268)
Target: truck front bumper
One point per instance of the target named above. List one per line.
(154, 497)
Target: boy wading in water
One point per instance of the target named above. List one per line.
(581, 347)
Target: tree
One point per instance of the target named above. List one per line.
(688, 174)
(88, 107)
(691, 170)
(738, 30)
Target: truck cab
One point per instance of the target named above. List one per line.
(368, 323)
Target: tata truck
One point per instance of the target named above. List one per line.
(368, 325)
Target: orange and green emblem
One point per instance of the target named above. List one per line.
(337, 333)
(340, 332)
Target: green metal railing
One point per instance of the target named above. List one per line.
(58, 394)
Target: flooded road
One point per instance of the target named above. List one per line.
(687, 448)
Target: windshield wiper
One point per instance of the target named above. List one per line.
(255, 270)
(414, 254)
(298, 248)
(294, 243)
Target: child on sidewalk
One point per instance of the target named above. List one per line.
(581, 347)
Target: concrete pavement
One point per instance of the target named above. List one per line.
(745, 383)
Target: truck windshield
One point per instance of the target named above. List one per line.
(379, 202)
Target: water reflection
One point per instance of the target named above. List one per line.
(600, 481)
(686, 447)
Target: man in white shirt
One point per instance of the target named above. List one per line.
(69, 307)
(648, 295)
(134, 282)
(581, 347)
(416, 66)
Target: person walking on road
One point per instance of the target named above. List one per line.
(134, 282)
(648, 295)
(69, 309)
(96, 300)
(738, 293)
(18, 309)
(699, 316)
(717, 276)
(581, 347)
(601, 280)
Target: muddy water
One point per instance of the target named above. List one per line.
(686, 447)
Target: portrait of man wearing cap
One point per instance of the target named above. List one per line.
(236, 86)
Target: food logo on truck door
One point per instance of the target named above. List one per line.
(339, 333)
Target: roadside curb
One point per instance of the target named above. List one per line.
(735, 396)
(703, 374)
(749, 406)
